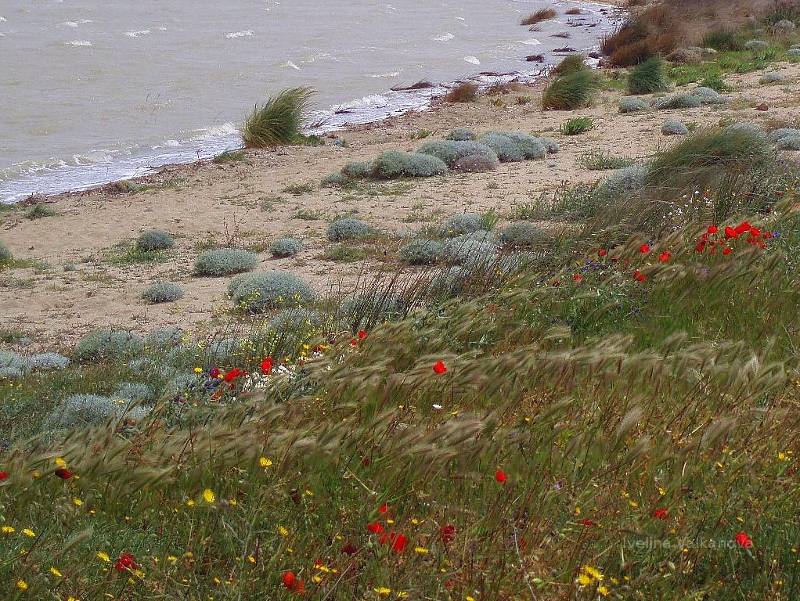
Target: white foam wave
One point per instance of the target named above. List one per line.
(3, 19)
(445, 37)
(136, 34)
(240, 34)
(531, 42)
(472, 60)
(292, 65)
(78, 43)
(385, 75)
(72, 24)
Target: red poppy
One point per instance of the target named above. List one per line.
(292, 582)
(661, 514)
(742, 228)
(744, 541)
(755, 232)
(234, 373)
(639, 276)
(439, 367)
(64, 473)
(400, 543)
(578, 278)
(375, 528)
(362, 334)
(713, 229)
(447, 533)
(701, 246)
(3, 476)
(730, 232)
(767, 235)
(383, 508)
(726, 251)
(587, 522)
(125, 563)
(353, 342)
(644, 248)
(602, 252)
(500, 476)
(665, 256)
(349, 549)
(266, 366)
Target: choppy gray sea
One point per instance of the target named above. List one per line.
(93, 91)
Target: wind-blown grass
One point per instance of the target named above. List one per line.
(279, 121)
(568, 92)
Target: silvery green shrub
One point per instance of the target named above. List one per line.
(461, 223)
(476, 163)
(224, 261)
(468, 252)
(461, 134)
(532, 147)
(13, 365)
(334, 180)
(422, 252)
(789, 143)
(91, 409)
(154, 240)
(626, 180)
(450, 281)
(522, 234)
(133, 391)
(164, 337)
(748, 128)
(357, 170)
(793, 53)
(756, 45)
(182, 384)
(162, 292)
(349, 228)
(632, 105)
(297, 319)
(392, 164)
(5, 255)
(49, 361)
(258, 292)
(221, 350)
(673, 127)
(678, 101)
(709, 95)
(285, 247)
(450, 151)
(550, 145)
(783, 132)
(108, 344)
(771, 77)
(512, 147)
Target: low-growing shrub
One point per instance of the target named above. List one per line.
(81, 410)
(297, 320)
(152, 240)
(422, 252)
(649, 77)
(750, 128)
(6, 257)
(771, 77)
(285, 247)
(783, 132)
(279, 121)
(461, 135)
(723, 39)
(464, 92)
(107, 344)
(672, 127)
(569, 92)
(756, 45)
(570, 64)
(598, 160)
(357, 170)
(392, 164)
(349, 228)
(476, 163)
(709, 95)
(789, 143)
(626, 180)
(514, 146)
(450, 151)
(543, 14)
(461, 223)
(133, 391)
(39, 211)
(366, 310)
(164, 337)
(162, 292)
(49, 361)
(793, 53)
(334, 180)
(258, 292)
(576, 126)
(632, 105)
(467, 251)
(550, 145)
(523, 234)
(13, 365)
(715, 82)
(678, 101)
(219, 262)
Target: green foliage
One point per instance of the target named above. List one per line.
(461, 135)
(259, 292)
(422, 252)
(470, 251)
(279, 121)
(357, 170)
(678, 101)
(162, 292)
(648, 77)
(461, 223)
(514, 146)
(673, 127)
(576, 126)
(345, 253)
(349, 228)
(219, 262)
(716, 82)
(569, 92)
(450, 151)
(154, 240)
(81, 410)
(39, 211)
(49, 361)
(723, 39)
(6, 257)
(570, 64)
(285, 247)
(99, 345)
(522, 234)
(229, 156)
(598, 160)
(632, 105)
(392, 164)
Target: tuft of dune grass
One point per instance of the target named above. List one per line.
(543, 14)
(278, 121)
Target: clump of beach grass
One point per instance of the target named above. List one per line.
(569, 92)
(278, 122)
(576, 126)
(543, 14)
(466, 91)
(570, 64)
(648, 77)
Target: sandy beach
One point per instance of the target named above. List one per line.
(72, 284)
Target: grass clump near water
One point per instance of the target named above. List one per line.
(576, 126)
(543, 14)
(393, 164)
(279, 121)
(259, 292)
(569, 92)
(39, 211)
(649, 77)
(220, 262)
(162, 292)
(229, 156)
(466, 91)
(285, 247)
(570, 64)
(152, 240)
(349, 228)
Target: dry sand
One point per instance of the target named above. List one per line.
(246, 203)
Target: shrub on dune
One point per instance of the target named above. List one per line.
(154, 240)
(107, 344)
(357, 170)
(259, 292)
(285, 247)
(461, 223)
(349, 228)
(6, 256)
(461, 135)
(49, 361)
(463, 92)
(476, 163)
(511, 147)
(450, 151)
(568, 92)
(393, 164)
(632, 105)
(162, 292)
(422, 252)
(219, 262)
(522, 234)
(279, 121)
(648, 78)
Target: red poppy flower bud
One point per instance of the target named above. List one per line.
(375, 528)
(383, 508)
(362, 334)
(712, 229)
(4, 476)
(500, 476)
(63, 473)
(125, 563)
(439, 367)
(744, 541)
(639, 276)
(644, 248)
(661, 514)
(602, 252)
(587, 522)
(289, 579)
(447, 533)
(266, 366)
(665, 256)
(730, 232)
(726, 251)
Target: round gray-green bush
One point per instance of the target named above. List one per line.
(80, 410)
(450, 151)
(133, 391)
(349, 228)
(678, 101)
(626, 180)
(5, 255)
(224, 261)
(461, 134)
(709, 95)
(465, 251)
(748, 128)
(297, 319)
(394, 163)
(756, 45)
(550, 145)
(357, 170)
(476, 163)
(673, 127)
(162, 292)
(422, 252)
(13, 365)
(49, 361)
(532, 147)
(154, 240)
(108, 344)
(631, 104)
(793, 53)
(164, 337)
(450, 281)
(285, 247)
(461, 223)
(258, 292)
(771, 77)
(783, 132)
(334, 180)
(512, 147)
(789, 143)
(523, 234)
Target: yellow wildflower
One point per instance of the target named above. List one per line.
(198, 370)
(402, 595)
(603, 590)
(420, 550)
(172, 559)
(316, 578)
(383, 591)
(283, 531)
(251, 559)
(77, 502)
(22, 585)
(28, 532)
(584, 580)
(265, 462)
(55, 572)
(60, 462)
(103, 556)
(469, 598)
(190, 503)
(209, 496)
(7, 529)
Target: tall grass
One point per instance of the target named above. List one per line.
(543, 14)
(569, 92)
(279, 121)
